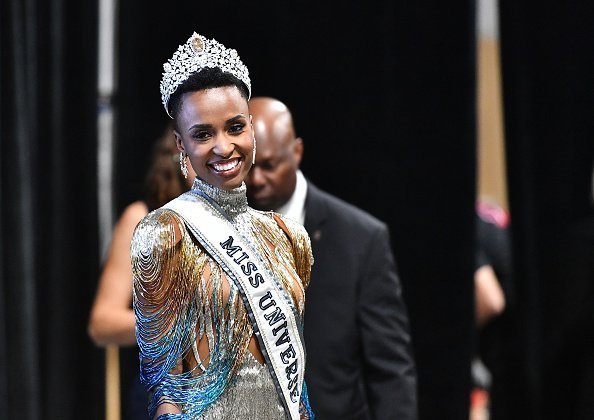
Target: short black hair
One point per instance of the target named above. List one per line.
(206, 78)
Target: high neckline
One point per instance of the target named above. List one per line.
(233, 202)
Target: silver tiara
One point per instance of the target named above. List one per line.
(196, 54)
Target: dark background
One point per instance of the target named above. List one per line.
(384, 97)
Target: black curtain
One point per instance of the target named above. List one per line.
(548, 91)
(383, 95)
(433, 183)
(49, 251)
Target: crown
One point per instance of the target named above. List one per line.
(196, 54)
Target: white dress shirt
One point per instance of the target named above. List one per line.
(295, 207)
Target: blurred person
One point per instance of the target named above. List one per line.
(493, 261)
(360, 362)
(219, 288)
(493, 290)
(112, 319)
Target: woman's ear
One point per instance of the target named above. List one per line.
(252, 126)
(178, 141)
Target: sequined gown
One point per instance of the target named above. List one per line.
(182, 301)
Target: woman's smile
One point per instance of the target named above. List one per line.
(228, 167)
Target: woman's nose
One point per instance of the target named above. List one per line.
(223, 146)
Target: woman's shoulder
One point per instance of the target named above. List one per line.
(292, 225)
(276, 220)
(158, 218)
(159, 230)
(301, 245)
(128, 220)
(294, 232)
(133, 213)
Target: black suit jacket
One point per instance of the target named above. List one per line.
(359, 357)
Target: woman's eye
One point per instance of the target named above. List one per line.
(236, 128)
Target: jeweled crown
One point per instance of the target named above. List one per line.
(196, 54)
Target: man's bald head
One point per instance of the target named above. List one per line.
(271, 181)
(271, 119)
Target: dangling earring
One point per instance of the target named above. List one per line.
(183, 164)
(254, 152)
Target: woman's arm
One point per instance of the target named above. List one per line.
(112, 318)
(489, 296)
(164, 266)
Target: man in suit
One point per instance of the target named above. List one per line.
(359, 356)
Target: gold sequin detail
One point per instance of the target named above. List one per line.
(176, 283)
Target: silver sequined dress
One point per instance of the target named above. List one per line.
(250, 396)
(182, 297)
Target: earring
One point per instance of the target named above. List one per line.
(254, 152)
(183, 164)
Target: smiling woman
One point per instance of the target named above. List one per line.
(213, 129)
(219, 287)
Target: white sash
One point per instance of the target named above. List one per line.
(273, 319)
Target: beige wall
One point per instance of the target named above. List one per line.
(491, 174)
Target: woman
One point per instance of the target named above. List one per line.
(112, 318)
(218, 287)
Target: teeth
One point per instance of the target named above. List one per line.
(225, 166)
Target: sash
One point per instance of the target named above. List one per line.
(273, 320)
